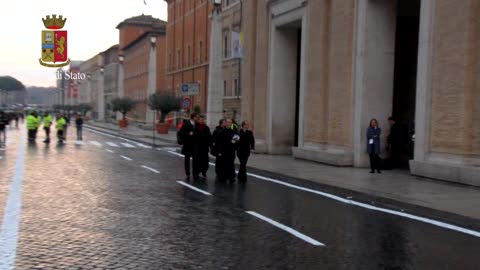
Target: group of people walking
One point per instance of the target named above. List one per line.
(35, 120)
(225, 143)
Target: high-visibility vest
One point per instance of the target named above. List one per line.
(31, 122)
(47, 121)
(61, 123)
(38, 121)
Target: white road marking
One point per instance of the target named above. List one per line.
(96, 143)
(175, 153)
(143, 145)
(112, 144)
(1, 157)
(128, 145)
(151, 169)
(11, 219)
(127, 158)
(194, 188)
(359, 204)
(79, 143)
(108, 150)
(287, 229)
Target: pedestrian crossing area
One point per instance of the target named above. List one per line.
(114, 144)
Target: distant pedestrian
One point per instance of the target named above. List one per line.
(185, 138)
(38, 122)
(31, 126)
(373, 145)
(61, 123)
(214, 148)
(201, 148)
(3, 128)
(47, 123)
(79, 125)
(245, 145)
(66, 116)
(395, 142)
(227, 145)
(16, 118)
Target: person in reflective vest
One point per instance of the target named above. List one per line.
(61, 123)
(31, 126)
(47, 122)
(38, 122)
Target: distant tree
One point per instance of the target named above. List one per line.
(164, 103)
(122, 105)
(9, 83)
(83, 108)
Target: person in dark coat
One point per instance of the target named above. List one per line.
(227, 145)
(202, 139)
(395, 142)
(185, 137)
(373, 145)
(214, 148)
(245, 145)
(79, 125)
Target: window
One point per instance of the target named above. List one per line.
(224, 88)
(225, 46)
(235, 87)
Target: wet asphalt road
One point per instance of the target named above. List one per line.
(94, 206)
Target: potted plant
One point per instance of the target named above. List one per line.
(122, 105)
(164, 103)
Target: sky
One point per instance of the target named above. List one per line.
(90, 25)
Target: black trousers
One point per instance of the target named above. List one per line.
(47, 133)
(79, 133)
(227, 167)
(31, 134)
(242, 171)
(60, 135)
(375, 162)
(200, 163)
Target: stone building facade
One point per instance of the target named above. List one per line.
(90, 90)
(143, 67)
(231, 59)
(316, 72)
(110, 66)
(187, 53)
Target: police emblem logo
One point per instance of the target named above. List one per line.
(54, 42)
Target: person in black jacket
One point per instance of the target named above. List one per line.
(214, 149)
(245, 145)
(227, 144)
(79, 125)
(185, 138)
(202, 139)
(3, 128)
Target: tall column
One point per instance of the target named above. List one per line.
(101, 96)
(214, 94)
(121, 75)
(152, 77)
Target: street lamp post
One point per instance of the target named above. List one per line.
(101, 95)
(152, 76)
(214, 97)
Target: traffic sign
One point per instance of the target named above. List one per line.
(186, 102)
(190, 89)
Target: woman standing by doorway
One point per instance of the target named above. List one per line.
(373, 145)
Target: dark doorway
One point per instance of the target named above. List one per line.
(405, 78)
(297, 85)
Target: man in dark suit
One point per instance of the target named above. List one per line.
(185, 138)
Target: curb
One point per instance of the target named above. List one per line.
(113, 133)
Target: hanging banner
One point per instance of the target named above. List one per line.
(237, 50)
